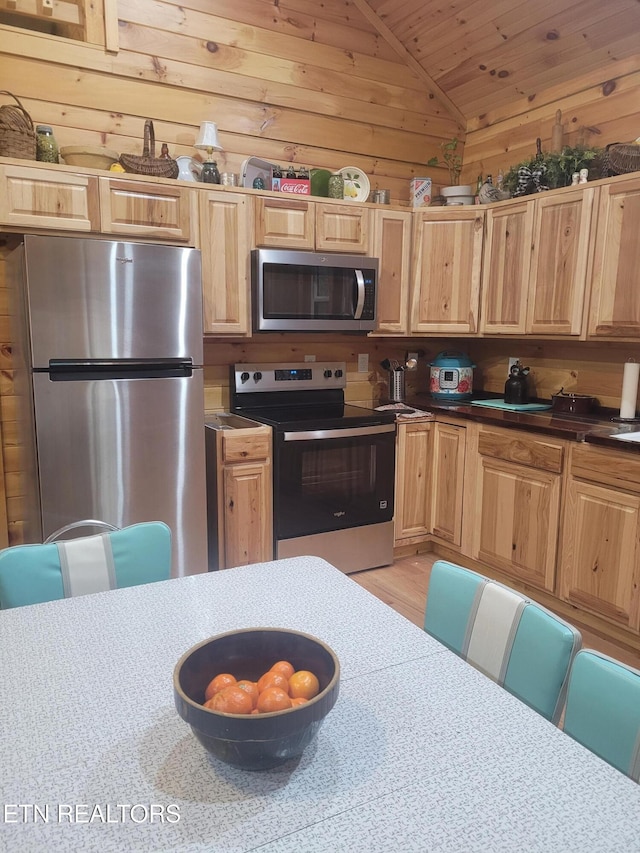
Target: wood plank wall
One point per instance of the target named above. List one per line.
(297, 81)
(596, 110)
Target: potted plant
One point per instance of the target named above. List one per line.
(454, 193)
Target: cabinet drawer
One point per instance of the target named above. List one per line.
(245, 446)
(617, 468)
(547, 455)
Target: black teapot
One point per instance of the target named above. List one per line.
(515, 388)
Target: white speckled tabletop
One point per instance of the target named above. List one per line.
(421, 752)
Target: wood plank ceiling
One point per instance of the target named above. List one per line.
(485, 54)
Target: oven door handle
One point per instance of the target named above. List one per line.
(360, 302)
(349, 432)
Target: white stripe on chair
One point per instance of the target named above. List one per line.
(87, 565)
(491, 632)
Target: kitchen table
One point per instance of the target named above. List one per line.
(420, 753)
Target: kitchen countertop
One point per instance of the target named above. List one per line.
(597, 428)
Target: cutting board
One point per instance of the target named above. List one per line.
(512, 407)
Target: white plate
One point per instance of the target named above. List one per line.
(356, 184)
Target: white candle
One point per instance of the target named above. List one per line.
(629, 389)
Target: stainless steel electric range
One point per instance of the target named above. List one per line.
(333, 463)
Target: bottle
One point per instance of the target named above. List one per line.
(46, 145)
(303, 173)
(335, 187)
(478, 188)
(291, 172)
(164, 153)
(500, 179)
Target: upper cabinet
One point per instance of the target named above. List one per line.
(32, 197)
(392, 246)
(536, 263)
(303, 223)
(615, 295)
(138, 209)
(224, 243)
(447, 265)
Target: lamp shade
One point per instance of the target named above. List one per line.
(208, 137)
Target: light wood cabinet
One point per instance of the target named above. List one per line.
(447, 266)
(517, 513)
(600, 557)
(615, 294)
(48, 198)
(412, 509)
(392, 246)
(224, 243)
(505, 275)
(138, 209)
(245, 521)
(301, 223)
(448, 464)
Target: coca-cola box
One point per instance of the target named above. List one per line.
(297, 186)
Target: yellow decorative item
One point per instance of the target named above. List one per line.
(116, 167)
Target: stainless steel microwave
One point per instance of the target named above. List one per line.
(313, 291)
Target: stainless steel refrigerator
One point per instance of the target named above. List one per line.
(108, 351)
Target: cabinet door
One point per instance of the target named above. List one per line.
(562, 242)
(505, 276)
(138, 209)
(600, 566)
(447, 263)
(392, 246)
(48, 198)
(342, 228)
(224, 243)
(413, 489)
(287, 223)
(448, 455)
(615, 295)
(248, 535)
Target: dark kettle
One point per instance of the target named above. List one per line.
(515, 388)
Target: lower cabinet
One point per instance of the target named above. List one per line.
(600, 567)
(412, 509)
(245, 526)
(517, 511)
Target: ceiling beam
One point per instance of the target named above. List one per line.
(413, 64)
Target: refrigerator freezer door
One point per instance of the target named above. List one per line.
(103, 299)
(124, 451)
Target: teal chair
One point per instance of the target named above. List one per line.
(31, 574)
(603, 710)
(514, 641)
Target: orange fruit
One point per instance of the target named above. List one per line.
(218, 683)
(303, 685)
(284, 667)
(251, 688)
(273, 679)
(299, 700)
(231, 700)
(273, 699)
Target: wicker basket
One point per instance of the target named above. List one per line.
(17, 134)
(620, 159)
(148, 163)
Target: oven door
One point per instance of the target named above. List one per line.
(333, 479)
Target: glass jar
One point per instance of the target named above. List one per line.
(46, 145)
(336, 186)
(210, 173)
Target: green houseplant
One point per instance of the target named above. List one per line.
(559, 166)
(452, 160)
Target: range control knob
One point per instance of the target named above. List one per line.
(257, 376)
(244, 376)
(338, 373)
(327, 374)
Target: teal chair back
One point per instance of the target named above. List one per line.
(31, 574)
(514, 641)
(603, 709)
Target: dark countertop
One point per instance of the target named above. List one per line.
(596, 428)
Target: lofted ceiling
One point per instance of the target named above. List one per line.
(479, 55)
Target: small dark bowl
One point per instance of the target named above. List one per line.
(259, 741)
(574, 404)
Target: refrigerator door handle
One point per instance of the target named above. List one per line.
(72, 370)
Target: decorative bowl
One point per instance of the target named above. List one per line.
(259, 741)
(88, 157)
(574, 404)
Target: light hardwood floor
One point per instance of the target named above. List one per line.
(403, 586)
